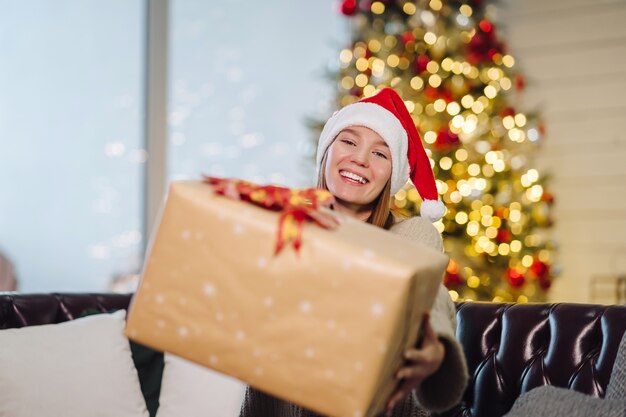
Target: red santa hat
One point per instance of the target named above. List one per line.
(386, 114)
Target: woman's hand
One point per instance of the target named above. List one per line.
(422, 363)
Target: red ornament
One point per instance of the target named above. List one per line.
(431, 92)
(484, 44)
(348, 7)
(452, 278)
(420, 63)
(407, 37)
(507, 111)
(548, 197)
(539, 269)
(504, 236)
(486, 26)
(545, 283)
(447, 95)
(542, 129)
(515, 277)
(520, 82)
(446, 140)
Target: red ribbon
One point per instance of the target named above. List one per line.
(295, 206)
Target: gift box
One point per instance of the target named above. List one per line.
(324, 326)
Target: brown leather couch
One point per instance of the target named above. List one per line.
(510, 348)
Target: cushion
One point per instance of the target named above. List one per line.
(80, 368)
(149, 365)
(191, 390)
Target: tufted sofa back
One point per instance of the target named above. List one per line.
(21, 310)
(510, 348)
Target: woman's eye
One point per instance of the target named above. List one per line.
(380, 154)
(347, 141)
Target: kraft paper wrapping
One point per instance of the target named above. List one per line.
(324, 328)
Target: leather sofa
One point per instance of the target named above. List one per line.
(510, 348)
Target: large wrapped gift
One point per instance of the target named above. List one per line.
(324, 326)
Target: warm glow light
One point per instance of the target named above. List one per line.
(378, 7)
(508, 61)
(345, 56)
(374, 45)
(369, 90)
(430, 38)
(362, 64)
(347, 82)
(473, 169)
(466, 10)
(460, 154)
(478, 107)
(457, 121)
(453, 108)
(461, 217)
(393, 60)
(508, 122)
(361, 80)
(490, 91)
(473, 281)
(515, 215)
(534, 193)
(467, 101)
(434, 80)
(440, 105)
(436, 5)
(516, 246)
(472, 228)
(378, 66)
(409, 8)
(520, 120)
(417, 83)
(430, 137)
(445, 163)
(432, 67)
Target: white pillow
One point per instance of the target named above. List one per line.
(191, 390)
(80, 368)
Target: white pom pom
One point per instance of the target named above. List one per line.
(432, 210)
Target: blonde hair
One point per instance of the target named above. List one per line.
(381, 213)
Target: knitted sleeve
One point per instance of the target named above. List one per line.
(444, 389)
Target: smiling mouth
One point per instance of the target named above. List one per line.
(354, 177)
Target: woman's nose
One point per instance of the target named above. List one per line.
(361, 157)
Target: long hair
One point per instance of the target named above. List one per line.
(381, 213)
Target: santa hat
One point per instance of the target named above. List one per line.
(386, 114)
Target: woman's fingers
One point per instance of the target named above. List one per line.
(399, 395)
(412, 372)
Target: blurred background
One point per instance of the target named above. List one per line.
(102, 104)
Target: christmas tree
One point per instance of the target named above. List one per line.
(464, 92)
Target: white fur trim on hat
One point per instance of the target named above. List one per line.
(381, 121)
(432, 210)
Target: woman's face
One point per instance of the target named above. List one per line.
(358, 166)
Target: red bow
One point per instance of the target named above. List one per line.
(295, 206)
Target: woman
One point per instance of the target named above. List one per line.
(367, 151)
